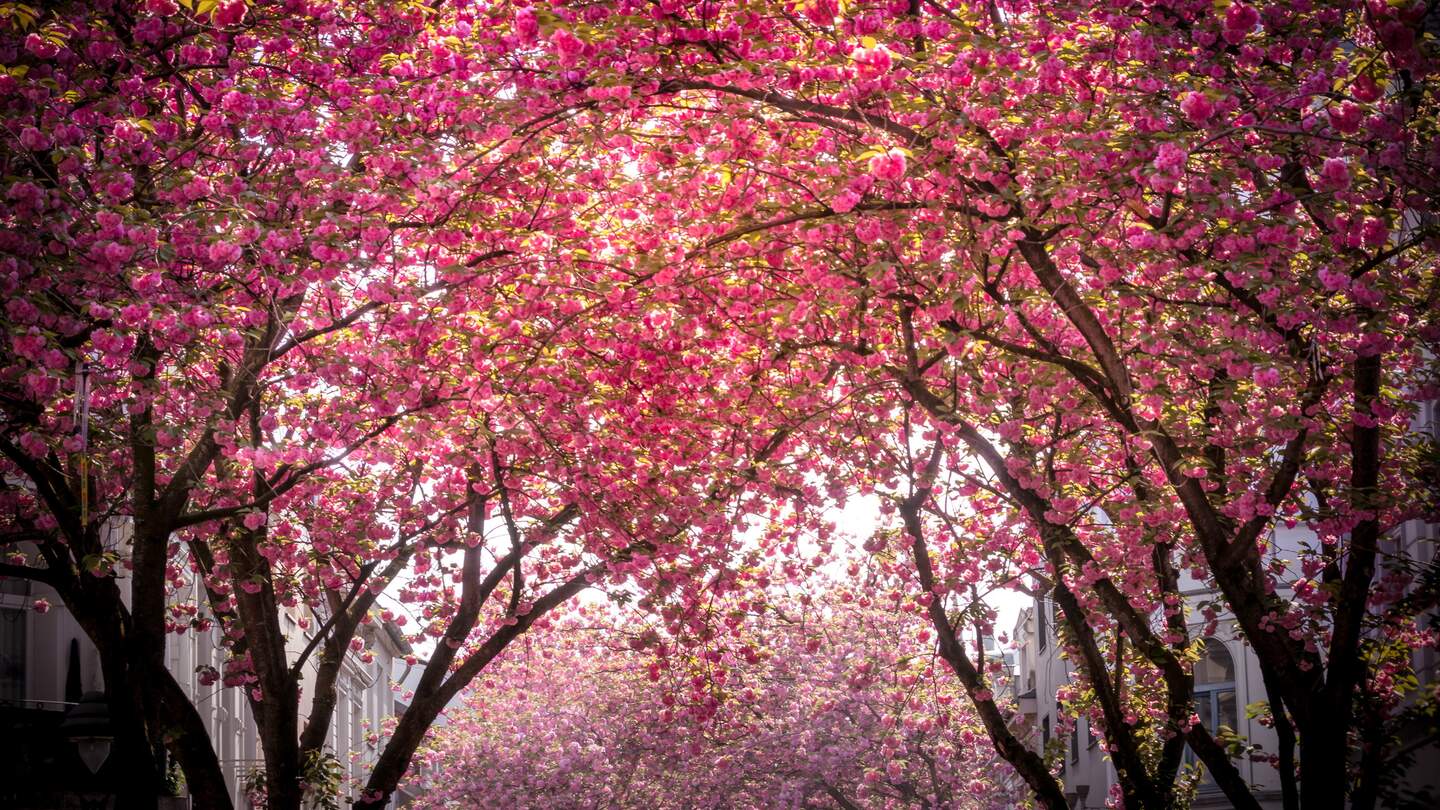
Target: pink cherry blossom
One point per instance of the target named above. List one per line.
(888, 165)
(1197, 107)
(874, 61)
(1335, 172)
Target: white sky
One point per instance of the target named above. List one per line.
(860, 518)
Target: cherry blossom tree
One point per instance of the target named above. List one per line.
(171, 234)
(1157, 276)
(487, 303)
(282, 320)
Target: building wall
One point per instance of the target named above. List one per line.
(1084, 767)
(366, 697)
(44, 646)
(1040, 673)
(1088, 776)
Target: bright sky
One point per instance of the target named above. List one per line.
(860, 518)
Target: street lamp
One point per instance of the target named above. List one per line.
(87, 725)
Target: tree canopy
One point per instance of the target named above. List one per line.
(475, 306)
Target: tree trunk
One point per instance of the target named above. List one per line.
(190, 743)
(132, 754)
(1028, 764)
(395, 759)
(1324, 758)
(170, 721)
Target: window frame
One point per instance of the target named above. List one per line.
(1211, 693)
(1042, 623)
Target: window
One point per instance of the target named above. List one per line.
(1075, 742)
(14, 618)
(1215, 687)
(225, 731)
(1041, 623)
(1045, 733)
(341, 722)
(1214, 696)
(357, 716)
(1089, 734)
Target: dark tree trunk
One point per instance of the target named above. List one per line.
(149, 710)
(1027, 763)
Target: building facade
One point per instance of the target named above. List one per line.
(1227, 679)
(47, 665)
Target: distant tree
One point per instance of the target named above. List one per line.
(831, 700)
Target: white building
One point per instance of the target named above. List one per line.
(1227, 678)
(47, 662)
